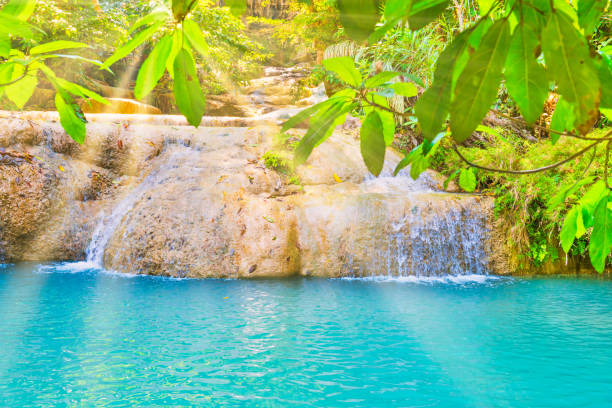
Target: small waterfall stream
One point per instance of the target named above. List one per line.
(206, 205)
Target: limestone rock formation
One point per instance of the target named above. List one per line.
(150, 195)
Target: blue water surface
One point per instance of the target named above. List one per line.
(90, 338)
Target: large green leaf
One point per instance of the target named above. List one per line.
(601, 236)
(525, 78)
(20, 9)
(467, 180)
(187, 91)
(151, 18)
(305, 114)
(5, 46)
(345, 68)
(128, 47)
(196, 39)
(56, 46)
(358, 17)
(180, 8)
(604, 72)
(423, 12)
(432, 107)
(21, 91)
(345, 95)
(477, 85)
(153, 68)
(562, 120)
(319, 129)
(395, 9)
(373, 145)
(570, 65)
(71, 121)
(176, 47)
(568, 232)
(406, 89)
(589, 14)
(80, 91)
(380, 78)
(15, 26)
(386, 117)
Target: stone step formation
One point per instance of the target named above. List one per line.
(148, 194)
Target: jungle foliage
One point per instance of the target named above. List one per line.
(527, 48)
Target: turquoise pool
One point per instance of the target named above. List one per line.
(86, 338)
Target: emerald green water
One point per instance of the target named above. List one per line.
(74, 337)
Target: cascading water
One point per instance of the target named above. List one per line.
(206, 205)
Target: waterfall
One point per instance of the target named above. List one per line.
(207, 205)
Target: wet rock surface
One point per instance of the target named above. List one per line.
(153, 196)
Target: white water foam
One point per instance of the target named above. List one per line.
(431, 280)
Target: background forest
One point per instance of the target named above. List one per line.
(549, 213)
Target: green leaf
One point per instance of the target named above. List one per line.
(5, 46)
(562, 120)
(373, 145)
(345, 95)
(386, 117)
(180, 8)
(423, 12)
(187, 91)
(566, 192)
(525, 78)
(406, 89)
(477, 85)
(358, 17)
(418, 165)
(153, 68)
(580, 228)
(237, 7)
(56, 46)
(196, 39)
(176, 47)
(381, 78)
(401, 165)
(484, 6)
(396, 9)
(601, 236)
(21, 91)
(345, 68)
(432, 107)
(320, 125)
(568, 232)
(15, 27)
(589, 14)
(128, 47)
(20, 9)
(467, 180)
(593, 195)
(451, 178)
(80, 91)
(303, 115)
(71, 121)
(570, 65)
(604, 72)
(160, 16)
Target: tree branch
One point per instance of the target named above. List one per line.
(25, 73)
(530, 171)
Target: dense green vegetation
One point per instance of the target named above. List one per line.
(507, 98)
